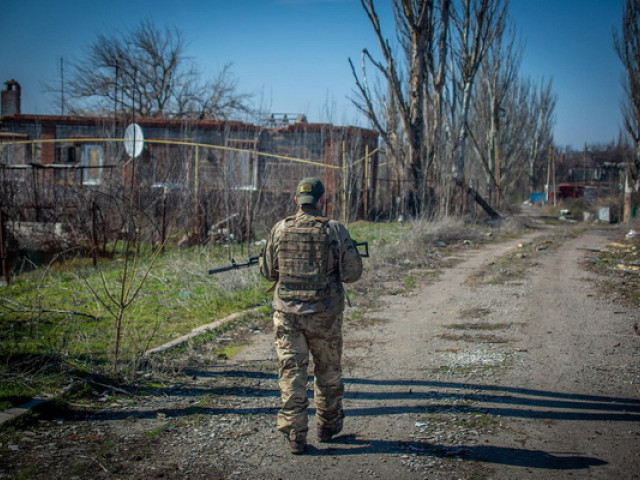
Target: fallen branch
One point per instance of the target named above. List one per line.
(492, 212)
(15, 307)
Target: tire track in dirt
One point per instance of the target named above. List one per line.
(523, 393)
(404, 390)
(575, 391)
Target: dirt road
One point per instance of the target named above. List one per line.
(469, 377)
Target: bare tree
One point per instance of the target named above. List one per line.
(524, 140)
(477, 24)
(437, 63)
(216, 99)
(543, 104)
(416, 21)
(511, 122)
(430, 84)
(501, 68)
(146, 70)
(627, 46)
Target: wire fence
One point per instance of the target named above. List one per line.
(88, 192)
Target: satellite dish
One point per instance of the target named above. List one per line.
(133, 140)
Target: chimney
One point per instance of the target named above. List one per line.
(10, 99)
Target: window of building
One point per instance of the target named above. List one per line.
(242, 165)
(65, 153)
(13, 154)
(92, 162)
(169, 164)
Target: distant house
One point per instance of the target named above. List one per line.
(190, 162)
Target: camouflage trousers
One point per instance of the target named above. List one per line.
(297, 336)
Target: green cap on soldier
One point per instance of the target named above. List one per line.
(309, 190)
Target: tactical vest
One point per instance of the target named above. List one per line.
(303, 256)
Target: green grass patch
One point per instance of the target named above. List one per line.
(410, 282)
(229, 351)
(66, 312)
(69, 312)
(379, 233)
(152, 434)
(477, 421)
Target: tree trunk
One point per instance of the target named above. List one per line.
(466, 189)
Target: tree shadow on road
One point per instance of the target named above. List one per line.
(397, 397)
(392, 397)
(520, 457)
(419, 396)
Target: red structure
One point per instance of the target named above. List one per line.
(570, 190)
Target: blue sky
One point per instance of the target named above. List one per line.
(293, 54)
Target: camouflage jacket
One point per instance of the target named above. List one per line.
(344, 265)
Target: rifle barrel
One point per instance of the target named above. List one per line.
(213, 271)
(233, 266)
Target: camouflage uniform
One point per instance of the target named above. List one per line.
(311, 325)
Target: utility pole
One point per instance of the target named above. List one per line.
(584, 165)
(548, 185)
(365, 189)
(626, 211)
(496, 152)
(553, 169)
(4, 254)
(61, 86)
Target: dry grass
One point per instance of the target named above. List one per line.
(618, 265)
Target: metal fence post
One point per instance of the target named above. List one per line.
(6, 271)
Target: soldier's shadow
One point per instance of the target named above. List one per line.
(353, 445)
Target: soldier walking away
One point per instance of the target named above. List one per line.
(309, 256)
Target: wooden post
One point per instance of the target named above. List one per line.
(365, 190)
(94, 233)
(626, 211)
(496, 173)
(4, 254)
(546, 193)
(163, 233)
(553, 169)
(196, 191)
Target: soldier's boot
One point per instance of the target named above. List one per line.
(297, 441)
(326, 432)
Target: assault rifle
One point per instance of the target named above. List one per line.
(254, 260)
(234, 266)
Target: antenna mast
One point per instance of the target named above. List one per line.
(61, 86)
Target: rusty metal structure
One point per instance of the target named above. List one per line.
(194, 180)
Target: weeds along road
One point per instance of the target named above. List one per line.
(493, 370)
(483, 375)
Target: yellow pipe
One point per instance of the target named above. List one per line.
(344, 183)
(196, 182)
(169, 142)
